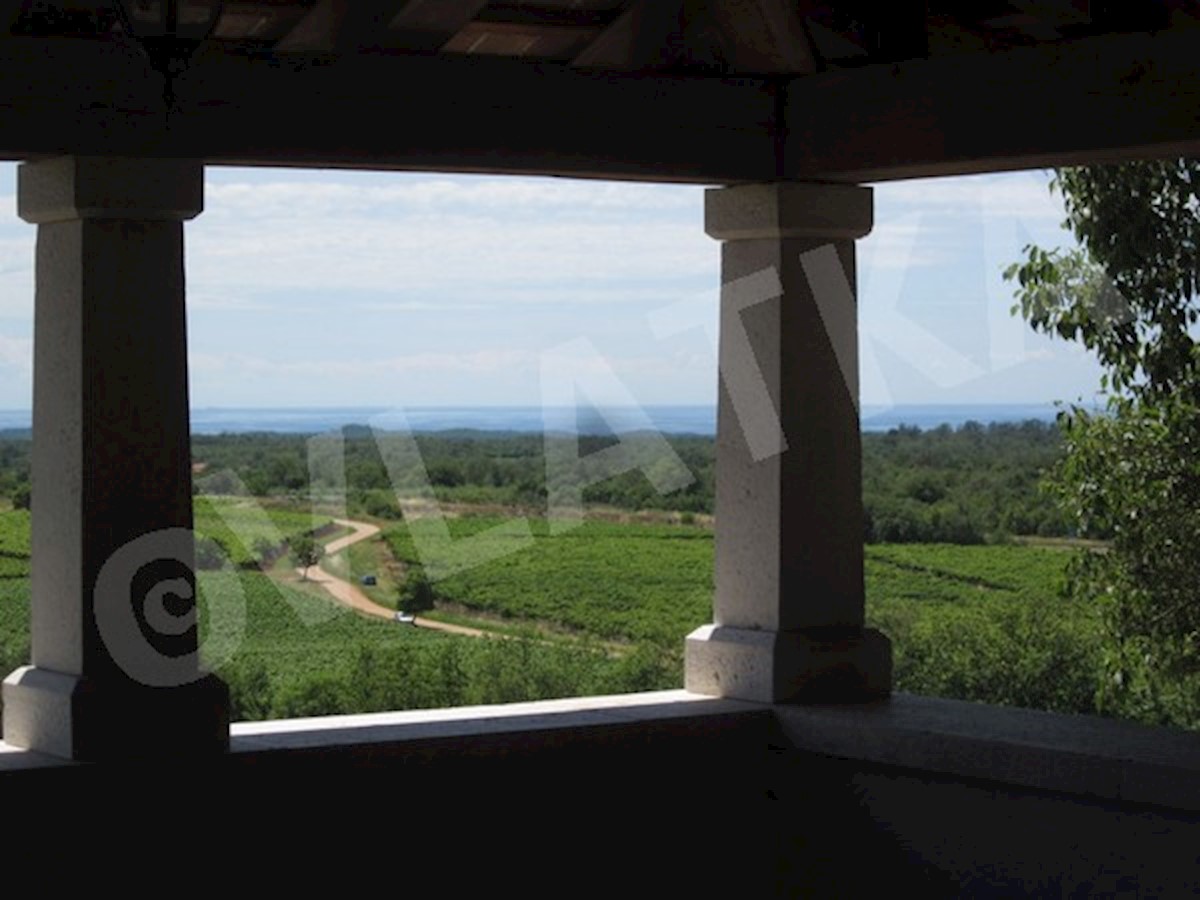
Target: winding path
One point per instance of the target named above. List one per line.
(350, 595)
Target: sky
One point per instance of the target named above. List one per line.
(335, 288)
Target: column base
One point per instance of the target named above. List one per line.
(817, 665)
(76, 718)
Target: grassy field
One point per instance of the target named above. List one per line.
(300, 654)
(983, 622)
(978, 622)
(634, 582)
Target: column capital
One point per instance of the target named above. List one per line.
(788, 209)
(70, 188)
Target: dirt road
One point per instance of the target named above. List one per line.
(361, 531)
(350, 595)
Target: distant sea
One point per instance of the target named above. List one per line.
(667, 419)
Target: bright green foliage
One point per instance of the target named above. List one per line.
(1136, 476)
(14, 544)
(14, 590)
(1129, 293)
(1133, 475)
(986, 624)
(14, 468)
(301, 655)
(14, 623)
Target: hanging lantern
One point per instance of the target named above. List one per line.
(169, 31)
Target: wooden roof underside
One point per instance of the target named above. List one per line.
(708, 91)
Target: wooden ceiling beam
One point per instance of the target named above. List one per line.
(386, 111)
(1097, 99)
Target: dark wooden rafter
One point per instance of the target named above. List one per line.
(341, 26)
(318, 30)
(10, 11)
(851, 34)
(1120, 15)
(761, 37)
(557, 42)
(637, 39)
(573, 16)
(899, 31)
(1051, 16)
(751, 37)
(434, 22)
(766, 36)
(257, 23)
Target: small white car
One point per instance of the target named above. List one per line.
(406, 618)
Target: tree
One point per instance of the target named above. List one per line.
(211, 554)
(416, 593)
(1132, 474)
(265, 550)
(306, 552)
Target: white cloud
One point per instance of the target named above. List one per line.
(1020, 195)
(507, 240)
(896, 243)
(480, 362)
(401, 306)
(413, 194)
(435, 251)
(205, 300)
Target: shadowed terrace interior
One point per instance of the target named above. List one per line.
(785, 108)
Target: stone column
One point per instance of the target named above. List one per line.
(115, 671)
(789, 605)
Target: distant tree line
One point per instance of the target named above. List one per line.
(973, 484)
